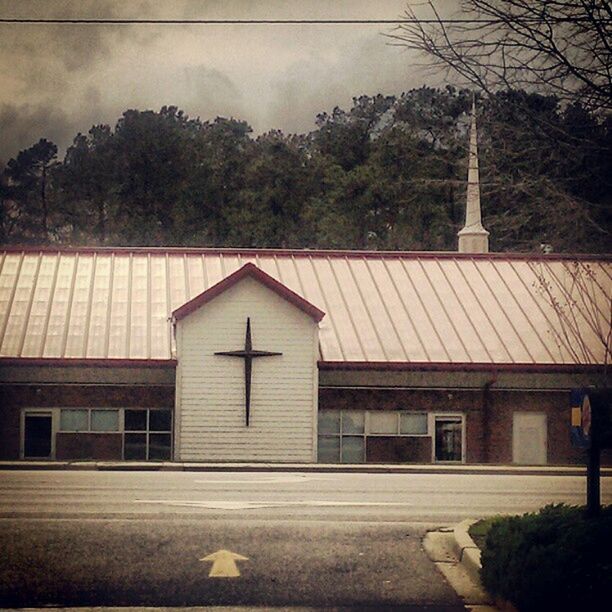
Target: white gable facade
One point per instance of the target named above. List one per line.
(211, 389)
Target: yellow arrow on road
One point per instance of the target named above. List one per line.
(224, 564)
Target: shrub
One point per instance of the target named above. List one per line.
(555, 559)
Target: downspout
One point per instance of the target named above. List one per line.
(486, 414)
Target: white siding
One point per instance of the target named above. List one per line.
(210, 388)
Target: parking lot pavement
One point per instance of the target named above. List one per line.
(218, 562)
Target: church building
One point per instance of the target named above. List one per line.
(299, 356)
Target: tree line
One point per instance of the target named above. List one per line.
(388, 173)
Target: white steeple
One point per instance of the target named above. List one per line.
(473, 237)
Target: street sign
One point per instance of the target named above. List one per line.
(580, 437)
(591, 417)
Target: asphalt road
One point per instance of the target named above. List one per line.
(424, 498)
(149, 538)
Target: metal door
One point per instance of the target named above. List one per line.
(529, 438)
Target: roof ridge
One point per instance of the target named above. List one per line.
(306, 252)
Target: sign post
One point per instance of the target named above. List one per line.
(591, 429)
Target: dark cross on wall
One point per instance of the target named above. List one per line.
(248, 354)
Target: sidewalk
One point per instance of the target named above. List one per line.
(426, 468)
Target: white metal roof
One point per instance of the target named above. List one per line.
(380, 307)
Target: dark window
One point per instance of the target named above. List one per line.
(160, 420)
(135, 446)
(353, 449)
(148, 434)
(159, 446)
(135, 420)
(341, 436)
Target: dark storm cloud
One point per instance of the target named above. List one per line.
(366, 62)
(45, 69)
(58, 80)
(75, 47)
(209, 92)
(22, 126)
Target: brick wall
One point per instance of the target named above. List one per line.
(15, 397)
(98, 446)
(488, 416)
(555, 405)
(502, 404)
(382, 449)
(468, 402)
(9, 426)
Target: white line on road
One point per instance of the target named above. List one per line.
(295, 478)
(253, 505)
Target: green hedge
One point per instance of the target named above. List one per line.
(555, 559)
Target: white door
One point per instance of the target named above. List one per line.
(529, 438)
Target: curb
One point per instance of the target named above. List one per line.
(469, 556)
(455, 555)
(466, 550)
(171, 466)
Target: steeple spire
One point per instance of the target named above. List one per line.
(473, 237)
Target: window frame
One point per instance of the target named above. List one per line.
(56, 415)
(366, 429)
(340, 434)
(147, 433)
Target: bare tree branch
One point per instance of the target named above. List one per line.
(561, 47)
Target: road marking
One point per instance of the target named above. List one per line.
(283, 479)
(224, 564)
(213, 505)
(254, 505)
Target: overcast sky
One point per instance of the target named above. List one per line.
(56, 80)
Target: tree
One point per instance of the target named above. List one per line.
(29, 176)
(580, 299)
(392, 167)
(278, 183)
(88, 188)
(560, 47)
(346, 136)
(386, 173)
(219, 153)
(8, 217)
(543, 70)
(152, 162)
(543, 174)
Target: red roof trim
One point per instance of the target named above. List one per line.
(456, 367)
(334, 253)
(323, 365)
(259, 275)
(62, 362)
